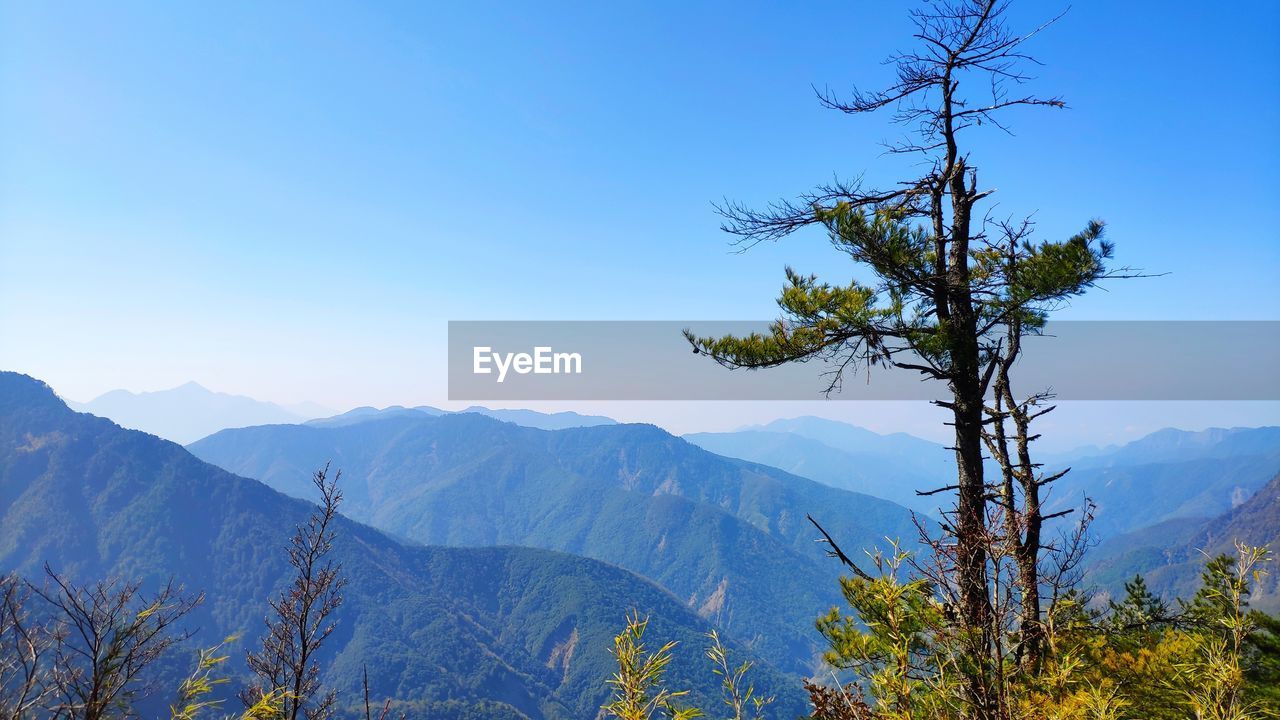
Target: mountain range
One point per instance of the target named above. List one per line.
(727, 536)
(1170, 475)
(528, 418)
(893, 467)
(1170, 555)
(190, 411)
(496, 632)
(1155, 497)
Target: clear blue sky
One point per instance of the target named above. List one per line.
(289, 200)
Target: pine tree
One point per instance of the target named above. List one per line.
(1137, 620)
(951, 298)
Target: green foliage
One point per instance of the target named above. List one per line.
(1033, 278)
(196, 694)
(1216, 678)
(638, 691)
(640, 684)
(1262, 671)
(890, 639)
(1017, 281)
(739, 693)
(1214, 660)
(1138, 619)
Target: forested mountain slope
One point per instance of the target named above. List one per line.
(729, 537)
(503, 632)
(1170, 475)
(1170, 555)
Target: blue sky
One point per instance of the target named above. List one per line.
(289, 200)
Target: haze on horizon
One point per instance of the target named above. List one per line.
(1072, 426)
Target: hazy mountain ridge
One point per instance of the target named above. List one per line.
(543, 421)
(1161, 499)
(1162, 485)
(728, 536)
(1173, 445)
(1168, 475)
(1171, 555)
(852, 438)
(435, 624)
(367, 413)
(519, 416)
(188, 412)
(1198, 473)
(881, 474)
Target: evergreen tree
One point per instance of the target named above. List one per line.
(1137, 619)
(1263, 664)
(952, 296)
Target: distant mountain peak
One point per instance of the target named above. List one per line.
(185, 413)
(1176, 445)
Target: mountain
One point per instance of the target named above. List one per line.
(187, 412)
(543, 421)
(498, 632)
(882, 473)
(1170, 555)
(367, 413)
(1171, 445)
(1170, 475)
(856, 440)
(728, 536)
(527, 418)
